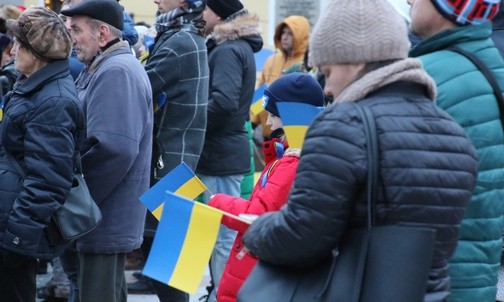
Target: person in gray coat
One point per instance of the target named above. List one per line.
(116, 96)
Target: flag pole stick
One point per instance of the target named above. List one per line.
(237, 217)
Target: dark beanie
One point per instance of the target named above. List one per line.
(224, 8)
(108, 11)
(295, 87)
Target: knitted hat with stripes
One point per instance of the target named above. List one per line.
(345, 33)
(467, 12)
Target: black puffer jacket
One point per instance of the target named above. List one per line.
(419, 186)
(232, 80)
(41, 128)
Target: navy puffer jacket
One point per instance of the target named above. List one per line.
(427, 168)
(41, 128)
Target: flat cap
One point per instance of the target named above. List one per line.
(108, 11)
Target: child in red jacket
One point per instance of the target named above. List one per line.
(272, 189)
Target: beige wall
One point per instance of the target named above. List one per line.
(146, 10)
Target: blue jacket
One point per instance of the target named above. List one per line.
(116, 96)
(41, 128)
(129, 32)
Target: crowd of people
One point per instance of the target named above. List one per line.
(82, 87)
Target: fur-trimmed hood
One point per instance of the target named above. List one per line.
(243, 25)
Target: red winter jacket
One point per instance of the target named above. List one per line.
(269, 198)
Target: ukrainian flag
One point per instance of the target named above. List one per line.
(256, 107)
(296, 118)
(183, 243)
(180, 180)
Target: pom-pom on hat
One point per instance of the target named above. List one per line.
(42, 32)
(295, 87)
(467, 12)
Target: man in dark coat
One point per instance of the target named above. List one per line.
(233, 39)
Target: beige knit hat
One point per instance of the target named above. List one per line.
(359, 31)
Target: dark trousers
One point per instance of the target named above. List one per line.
(70, 262)
(18, 283)
(101, 278)
(164, 292)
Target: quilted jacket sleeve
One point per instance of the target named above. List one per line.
(49, 145)
(331, 167)
(270, 198)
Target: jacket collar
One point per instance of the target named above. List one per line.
(53, 70)
(117, 48)
(451, 37)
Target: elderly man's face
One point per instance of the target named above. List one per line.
(85, 38)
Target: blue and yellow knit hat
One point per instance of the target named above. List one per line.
(467, 12)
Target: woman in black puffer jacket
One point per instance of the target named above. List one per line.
(427, 164)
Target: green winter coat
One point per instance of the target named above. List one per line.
(466, 95)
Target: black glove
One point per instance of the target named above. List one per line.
(12, 259)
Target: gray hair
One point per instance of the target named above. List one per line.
(95, 24)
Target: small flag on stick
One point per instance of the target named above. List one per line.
(256, 107)
(183, 243)
(296, 118)
(180, 180)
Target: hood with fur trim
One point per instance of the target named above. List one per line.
(242, 25)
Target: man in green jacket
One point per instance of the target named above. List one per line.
(464, 93)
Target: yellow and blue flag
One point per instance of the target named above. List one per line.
(296, 118)
(180, 180)
(183, 243)
(256, 107)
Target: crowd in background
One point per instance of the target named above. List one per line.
(131, 101)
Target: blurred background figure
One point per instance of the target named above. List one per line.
(291, 42)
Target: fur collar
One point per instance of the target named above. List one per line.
(246, 24)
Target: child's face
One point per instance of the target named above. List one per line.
(274, 122)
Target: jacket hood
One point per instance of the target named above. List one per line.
(301, 31)
(244, 26)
